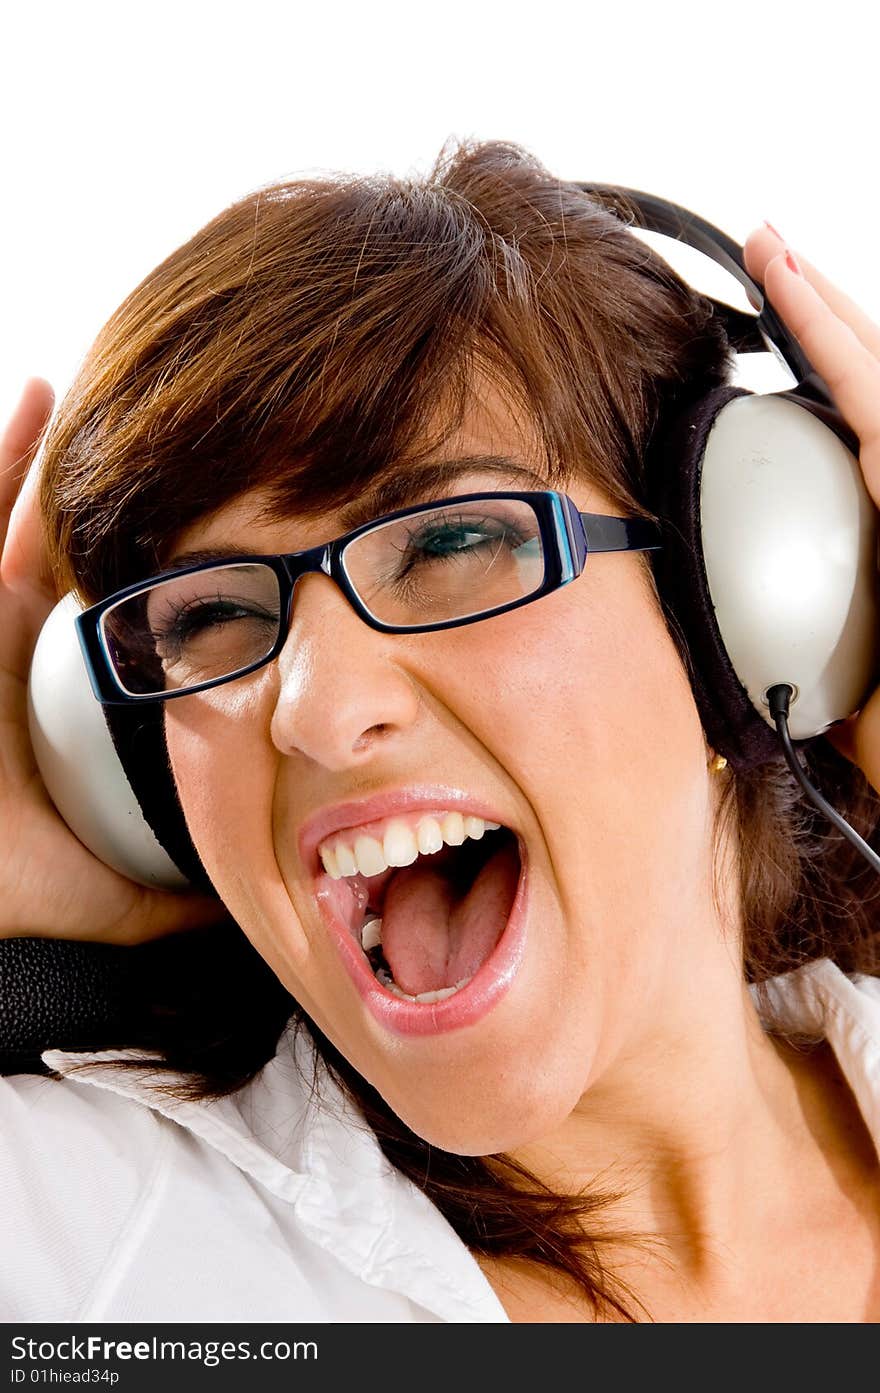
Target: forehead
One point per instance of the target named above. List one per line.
(493, 446)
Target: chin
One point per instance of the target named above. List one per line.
(486, 1119)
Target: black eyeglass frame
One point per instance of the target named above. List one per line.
(568, 536)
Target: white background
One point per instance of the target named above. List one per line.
(126, 126)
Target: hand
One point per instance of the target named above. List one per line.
(843, 345)
(51, 886)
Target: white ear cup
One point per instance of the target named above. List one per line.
(790, 545)
(78, 761)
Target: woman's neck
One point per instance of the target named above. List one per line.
(717, 1139)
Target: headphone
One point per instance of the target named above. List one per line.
(769, 566)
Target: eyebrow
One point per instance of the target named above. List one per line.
(410, 485)
(413, 484)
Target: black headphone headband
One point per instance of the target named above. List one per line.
(747, 333)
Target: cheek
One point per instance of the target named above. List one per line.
(585, 681)
(583, 700)
(225, 769)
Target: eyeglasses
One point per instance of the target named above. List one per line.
(434, 566)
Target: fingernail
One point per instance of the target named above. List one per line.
(791, 263)
(773, 230)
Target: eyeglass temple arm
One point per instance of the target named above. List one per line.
(619, 534)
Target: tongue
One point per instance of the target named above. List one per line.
(432, 937)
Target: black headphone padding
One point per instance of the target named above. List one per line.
(138, 733)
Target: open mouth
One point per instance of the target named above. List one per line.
(426, 929)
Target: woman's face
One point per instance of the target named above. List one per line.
(569, 720)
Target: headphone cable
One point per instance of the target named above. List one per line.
(779, 701)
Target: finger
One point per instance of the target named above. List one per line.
(157, 914)
(763, 245)
(19, 442)
(867, 739)
(21, 436)
(842, 736)
(25, 565)
(838, 355)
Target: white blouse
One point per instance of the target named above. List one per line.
(268, 1205)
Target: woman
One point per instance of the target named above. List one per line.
(617, 1126)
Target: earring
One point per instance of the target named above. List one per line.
(717, 764)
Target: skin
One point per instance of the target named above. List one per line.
(627, 1047)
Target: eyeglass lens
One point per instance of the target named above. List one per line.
(447, 562)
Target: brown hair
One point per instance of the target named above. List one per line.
(303, 340)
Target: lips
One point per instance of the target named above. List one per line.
(466, 1006)
(493, 979)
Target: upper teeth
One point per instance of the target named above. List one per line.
(402, 842)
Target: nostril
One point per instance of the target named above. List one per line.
(365, 739)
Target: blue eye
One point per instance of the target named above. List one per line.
(459, 539)
(451, 541)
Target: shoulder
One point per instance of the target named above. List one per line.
(46, 1095)
(819, 995)
(820, 1001)
(868, 988)
(74, 1163)
(115, 1209)
(58, 1133)
(55, 1128)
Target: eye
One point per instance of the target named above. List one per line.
(458, 539)
(186, 620)
(448, 540)
(192, 618)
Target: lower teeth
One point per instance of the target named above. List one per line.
(371, 941)
(390, 985)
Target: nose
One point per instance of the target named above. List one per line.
(341, 693)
